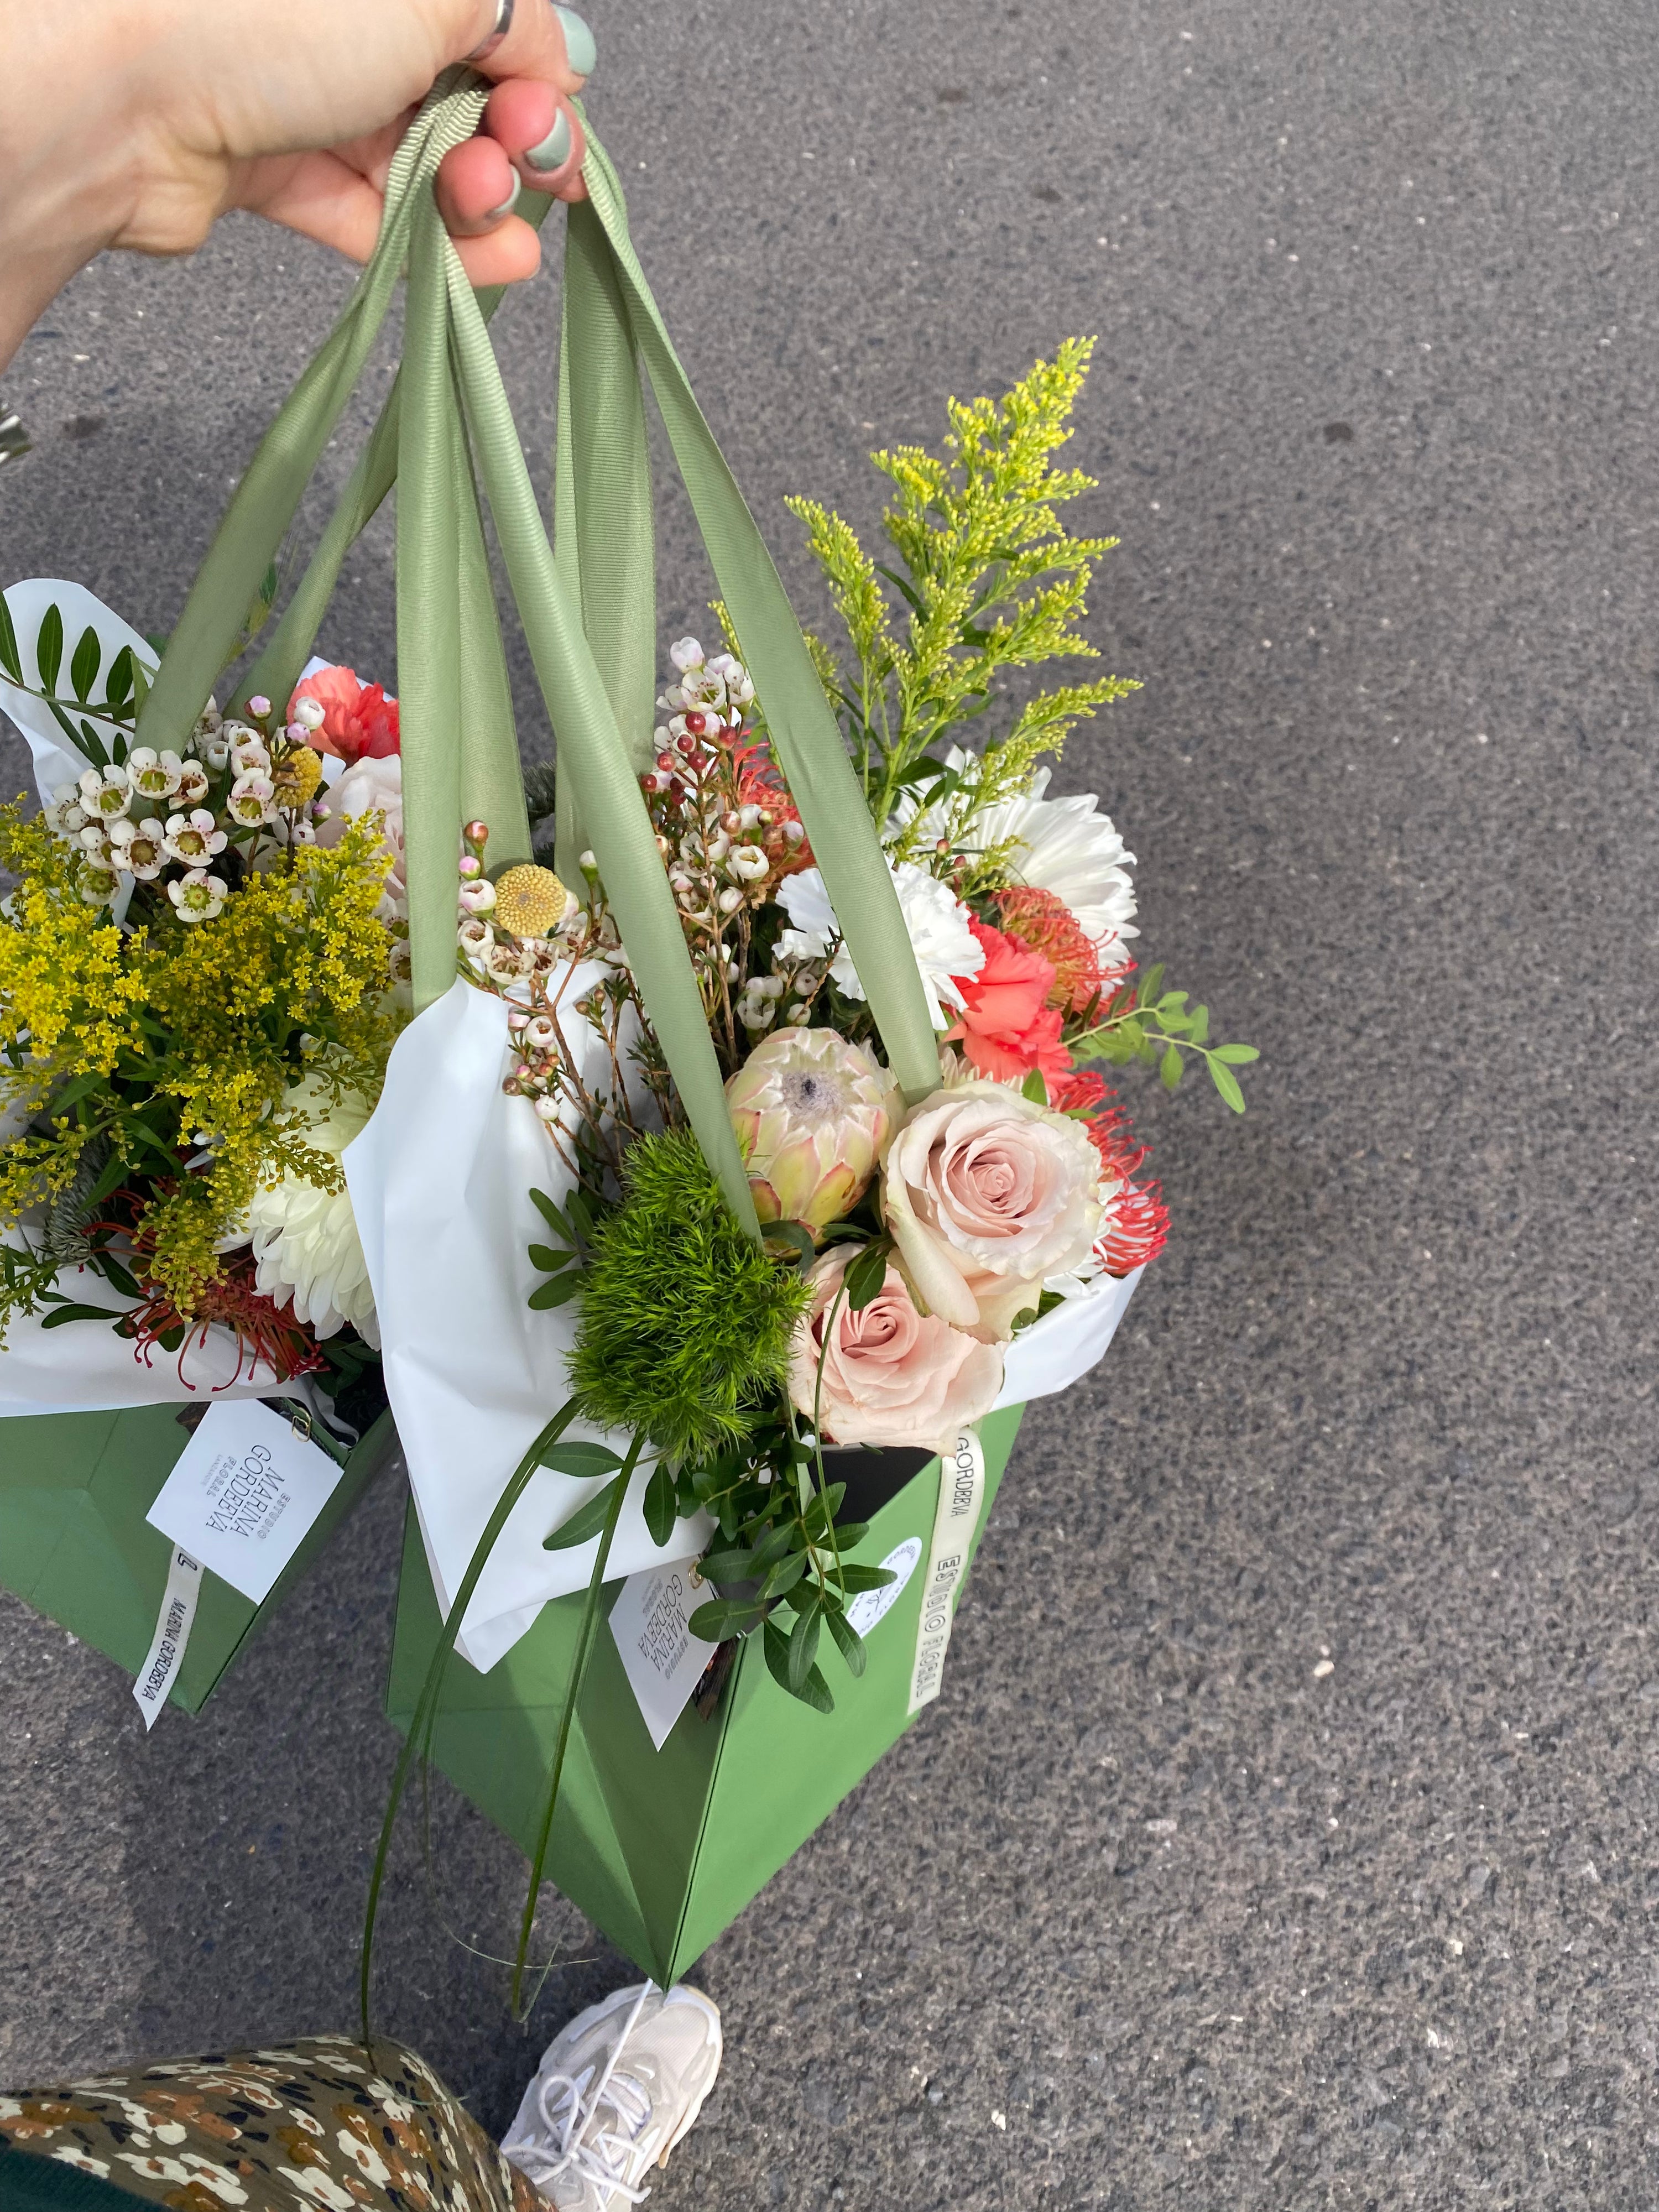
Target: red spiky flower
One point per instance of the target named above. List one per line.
(1136, 1225)
(1047, 925)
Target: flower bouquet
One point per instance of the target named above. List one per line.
(749, 1160)
(198, 995)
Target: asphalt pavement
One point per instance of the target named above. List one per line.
(1284, 1835)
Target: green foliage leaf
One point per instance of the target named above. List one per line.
(59, 1315)
(796, 1235)
(10, 659)
(848, 1639)
(49, 648)
(1034, 1088)
(549, 1262)
(87, 660)
(724, 1617)
(1150, 984)
(867, 1275)
(584, 1523)
(551, 1214)
(1225, 1082)
(583, 1461)
(784, 1575)
(1169, 1071)
(557, 1292)
(804, 1644)
(737, 1564)
(855, 1579)
(1235, 1055)
(659, 1507)
(813, 1690)
(118, 687)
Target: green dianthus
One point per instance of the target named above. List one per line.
(686, 1322)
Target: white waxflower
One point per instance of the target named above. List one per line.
(199, 896)
(67, 815)
(106, 793)
(750, 862)
(477, 897)
(474, 937)
(138, 848)
(506, 962)
(740, 687)
(154, 775)
(249, 753)
(935, 917)
(685, 653)
(306, 1246)
(95, 837)
(99, 885)
(214, 752)
(193, 838)
(192, 786)
(252, 800)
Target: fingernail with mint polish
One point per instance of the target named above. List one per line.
(580, 50)
(495, 214)
(555, 149)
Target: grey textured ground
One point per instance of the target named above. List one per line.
(1148, 1910)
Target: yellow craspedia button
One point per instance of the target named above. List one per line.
(530, 902)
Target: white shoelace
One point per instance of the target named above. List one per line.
(577, 2144)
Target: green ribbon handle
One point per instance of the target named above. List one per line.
(803, 727)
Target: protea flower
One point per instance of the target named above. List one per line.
(814, 1116)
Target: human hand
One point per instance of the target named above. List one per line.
(137, 123)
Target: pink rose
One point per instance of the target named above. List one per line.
(891, 1375)
(984, 1194)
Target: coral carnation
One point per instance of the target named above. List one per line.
(358, 721)
(1007, 1026)
(1047, 925)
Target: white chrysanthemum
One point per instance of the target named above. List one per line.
(305, 1240)
(1061, 844)
(938, 921)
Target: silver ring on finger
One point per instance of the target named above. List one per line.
(503, 25)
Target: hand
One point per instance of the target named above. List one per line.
(137, 123)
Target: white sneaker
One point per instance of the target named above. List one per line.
(615, 2091)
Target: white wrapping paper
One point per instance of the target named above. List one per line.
(441, 1182)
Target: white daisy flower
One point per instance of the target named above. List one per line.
(1065, 847)
(938, 921)
(306, 1246)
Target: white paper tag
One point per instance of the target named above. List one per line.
(661, 1658)
(869, 1606)
(961, 1495)
(243, 1494)
(166, 1650)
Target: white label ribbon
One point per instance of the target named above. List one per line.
(167, 1652)
(961, 1496)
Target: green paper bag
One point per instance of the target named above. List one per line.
(662, 1849)
(74, 1544)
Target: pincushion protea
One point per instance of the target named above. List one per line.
(814, 1116)
(1044, 922)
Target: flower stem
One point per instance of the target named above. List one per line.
(578, 1673)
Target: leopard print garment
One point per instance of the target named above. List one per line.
(315, 2126)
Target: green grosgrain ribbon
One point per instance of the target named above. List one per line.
(588, 613)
